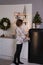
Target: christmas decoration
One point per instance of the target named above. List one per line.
(37, 19)
(5, 23)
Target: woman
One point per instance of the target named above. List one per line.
(20, 36)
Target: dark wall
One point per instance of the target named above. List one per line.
(37, 5)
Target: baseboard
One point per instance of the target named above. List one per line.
(6, 57)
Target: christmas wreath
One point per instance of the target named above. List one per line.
(5, 23)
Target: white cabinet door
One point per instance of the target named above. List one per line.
(7, 46)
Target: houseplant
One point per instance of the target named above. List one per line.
(37, 19)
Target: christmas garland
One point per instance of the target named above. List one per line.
(5, 23)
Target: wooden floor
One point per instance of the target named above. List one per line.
(8, 62)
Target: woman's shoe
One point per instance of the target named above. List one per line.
(15, 62)
(21, 62)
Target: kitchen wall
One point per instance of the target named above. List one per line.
(9, 11)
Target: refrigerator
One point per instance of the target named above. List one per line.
(35, 46)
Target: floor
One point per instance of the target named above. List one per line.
(8, 62)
